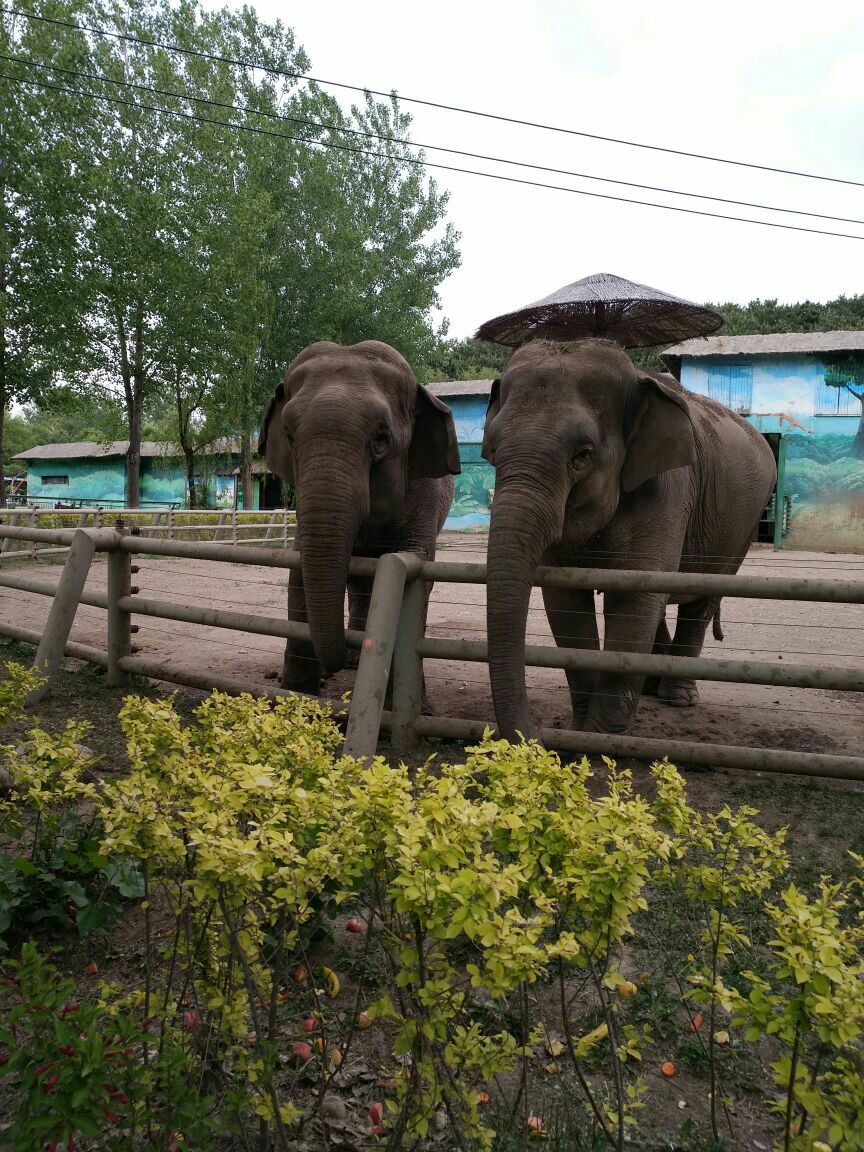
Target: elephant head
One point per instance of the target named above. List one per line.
(571, 430)
(351, 429)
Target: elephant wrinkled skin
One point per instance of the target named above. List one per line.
(603, 465)
(371, 455)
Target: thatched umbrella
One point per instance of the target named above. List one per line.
(633, 314)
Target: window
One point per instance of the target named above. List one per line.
(732, 385)
(54, 479)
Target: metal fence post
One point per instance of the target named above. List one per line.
(119, 621)
(370, 687)
(49, 654)
(408, 668)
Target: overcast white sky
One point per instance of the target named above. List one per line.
(757, 80)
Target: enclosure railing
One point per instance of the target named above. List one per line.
(231, 525)
(395, 634)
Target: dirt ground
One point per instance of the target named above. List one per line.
(803, 719)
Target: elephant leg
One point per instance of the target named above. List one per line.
(693, 620)
(359, 594)
(631, 624)
(573, 620)
(300, 669)
(662, 642)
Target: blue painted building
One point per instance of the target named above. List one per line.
(803, 391)
(475, 486)
(93, 474)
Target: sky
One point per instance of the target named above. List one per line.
(760, 81)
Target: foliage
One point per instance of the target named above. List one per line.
(465, 360)
(480, 885)
(812, 1002)
(52, 873)
(222, 217)
(82, 1068)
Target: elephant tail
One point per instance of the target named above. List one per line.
(716, 626)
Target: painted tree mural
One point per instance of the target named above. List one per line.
(847, 371)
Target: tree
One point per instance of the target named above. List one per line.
(466, 360)
(844, 371)
(44, 168)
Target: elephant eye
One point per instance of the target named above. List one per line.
(380, 442)
(582, 457)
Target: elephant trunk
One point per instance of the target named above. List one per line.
(327, 534)
(524, 523)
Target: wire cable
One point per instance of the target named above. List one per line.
(344, 129)
(422, 163)
(294, 75)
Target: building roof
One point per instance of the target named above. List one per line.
(770, 344)
(93, 449)
(447, 388)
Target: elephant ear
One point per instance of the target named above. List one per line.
(271, 440)
(492, 410)
(434, 450)
(662, 434)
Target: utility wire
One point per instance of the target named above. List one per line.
(418, 162)
(284, 118)
(293, 75)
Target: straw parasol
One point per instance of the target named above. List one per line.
(603, 305)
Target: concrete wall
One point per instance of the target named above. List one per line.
(824, 452)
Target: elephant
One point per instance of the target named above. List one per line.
(600, 464)
(371, 455)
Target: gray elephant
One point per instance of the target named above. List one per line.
(371, 455)
(600, 464)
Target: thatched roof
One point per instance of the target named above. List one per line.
(93, 450)
(632, 314)
(445, 388)
(770, 344)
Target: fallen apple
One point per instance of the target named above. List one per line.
(376, 1111)
(364, 1020)
(354, 925)
(308, 1025)
(301, 1053)
(301, 975)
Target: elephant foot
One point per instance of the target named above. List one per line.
(678, 693)
(352, 659)
(309, 686)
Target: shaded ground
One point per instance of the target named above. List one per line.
(799, 719)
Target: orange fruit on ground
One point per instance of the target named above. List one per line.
(668, 1069)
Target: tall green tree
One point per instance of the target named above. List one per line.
(44, 172)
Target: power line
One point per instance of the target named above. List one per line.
(418, 162)
(432, 103)
(289, 119)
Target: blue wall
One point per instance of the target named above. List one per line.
(104, 479)
(474, 486)
(824, 474)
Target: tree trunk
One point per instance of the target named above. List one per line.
(133, 460)
(246, 435)
(857, 449)
(3, 381)
(190, 476)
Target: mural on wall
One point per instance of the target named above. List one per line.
(58, 481)
(475, 486)
(816, 405)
